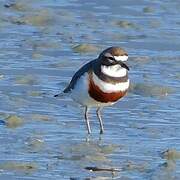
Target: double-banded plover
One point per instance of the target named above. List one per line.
(100, 82)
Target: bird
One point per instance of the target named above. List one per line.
(100, 83)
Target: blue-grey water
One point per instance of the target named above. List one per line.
(42, 43)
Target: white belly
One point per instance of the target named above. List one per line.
(81, 96)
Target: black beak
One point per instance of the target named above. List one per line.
(123, 65)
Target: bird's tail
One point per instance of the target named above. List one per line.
(59, 95)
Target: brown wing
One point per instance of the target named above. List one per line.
(78, 74)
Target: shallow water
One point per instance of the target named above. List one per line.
(45, 138)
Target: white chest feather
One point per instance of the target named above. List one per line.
(108, 87)
(114, 71)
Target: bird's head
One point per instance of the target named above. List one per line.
(114, 56)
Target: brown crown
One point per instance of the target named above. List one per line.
(115, 51)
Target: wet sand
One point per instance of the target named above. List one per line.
(42, 43)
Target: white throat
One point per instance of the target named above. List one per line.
(114, 71)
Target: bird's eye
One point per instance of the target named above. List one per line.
(111, 58)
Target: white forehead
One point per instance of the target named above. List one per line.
(121, 58)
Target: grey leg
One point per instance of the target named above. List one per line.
(87, 120)
(98, 112)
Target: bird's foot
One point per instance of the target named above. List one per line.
(101, 131)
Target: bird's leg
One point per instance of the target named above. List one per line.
(87, 120)
(98, 112)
